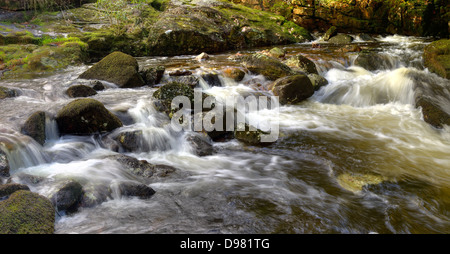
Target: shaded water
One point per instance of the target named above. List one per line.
(361, 130)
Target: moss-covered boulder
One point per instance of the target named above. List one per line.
(436, 57)
(332, 31)
(265, 65)
(317, 81)
(301, 63)
(277, 52)
(34, 127)
(10, 188)
(293, 89)
(165, 94)
(118, 68)
(7, 92)
(86, 117)
(341, 39)
(25, 212)
(80, 91)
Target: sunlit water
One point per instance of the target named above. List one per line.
(362, 124)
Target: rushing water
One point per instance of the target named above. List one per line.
(363, 128)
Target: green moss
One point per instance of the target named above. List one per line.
(436, 57)
(25, 212)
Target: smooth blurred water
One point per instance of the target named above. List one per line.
(356, 157)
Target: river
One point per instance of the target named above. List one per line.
(362, 128)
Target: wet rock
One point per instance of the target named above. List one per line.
(109, 143)
(190, 80)
(332, 31)
(180, 73)
(165, 94)
(152, 75)
(250, 135)
(267, 66)
(202, 146)
(80, 91)
(25, 212)
(133, 189)
(118, 68)
(203, 56)
(98, 86)
(341, 39)
(372, 61)
(86, 117)
(301, 63)
(29, 179)
(10, 188)
(143, 168)
(95, 194)
(277, 52)
(349, 48)
(366, 37)
(34, 127)
(436, 57)
(4, 165)
(211, 78)
(218, 126)
(131, 141)
(356, 182)
(293, 89)
(432, 112)
(7, 92)
(67, 196)
(234, 73)
(317, 81)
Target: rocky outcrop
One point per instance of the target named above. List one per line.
(25, 212)
(118, 68)
(293, 89)
(86, 117)
(418, 17)
(436, 57)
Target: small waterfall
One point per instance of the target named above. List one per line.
(357, 87)
(51, 129)
(21, 151)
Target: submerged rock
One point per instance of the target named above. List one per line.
(356, 182)
(302, 63)
(436, 57)
(80, 91)
(133, 189)
(67, 196)
(7, 92)
(373, 61)
(143, 168)
(25, 212)
(293, 89)
(118, 68)
(86, 117)
(265, 65)
(35, 127)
